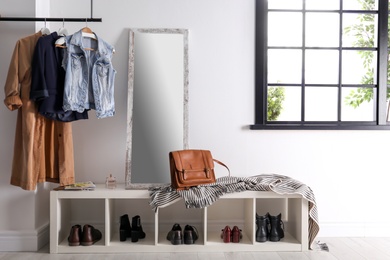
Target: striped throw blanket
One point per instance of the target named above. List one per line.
(205, 195)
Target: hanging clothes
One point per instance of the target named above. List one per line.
(43, 149)
(48, 77)
(89, 79)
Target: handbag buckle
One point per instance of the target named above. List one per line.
(207, 171)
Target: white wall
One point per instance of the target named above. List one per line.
(23, 215)
(347, 170)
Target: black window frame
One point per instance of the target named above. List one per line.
(261, 82)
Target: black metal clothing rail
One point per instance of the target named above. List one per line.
(49, 19)
(43, 19)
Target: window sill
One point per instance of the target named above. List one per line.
(319, 126)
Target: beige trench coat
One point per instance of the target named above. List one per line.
(43, 149)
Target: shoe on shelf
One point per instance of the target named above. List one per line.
(226, 234)
(236, 235)
(277, 228)
(190, 234)
(124, 228)
(136, 231)
(263, 227)
(90, 235)
(175, 235)
(75, 235)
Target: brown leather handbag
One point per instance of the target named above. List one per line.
(192, 168)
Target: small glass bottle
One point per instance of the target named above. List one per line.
(110, 182)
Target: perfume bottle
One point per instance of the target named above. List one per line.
(110, 182)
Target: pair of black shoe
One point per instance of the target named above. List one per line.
(269, 228)
(134, 230)
(177, 237)
(86, 236)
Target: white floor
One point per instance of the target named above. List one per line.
(339, 249)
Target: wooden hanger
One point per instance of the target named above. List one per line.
(60, 42)
(86, 29)
(61, 32)
(87, 32)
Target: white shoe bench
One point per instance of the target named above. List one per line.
(103, 207)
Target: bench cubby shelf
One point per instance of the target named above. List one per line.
(105, 206)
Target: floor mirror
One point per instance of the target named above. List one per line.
(157, 110)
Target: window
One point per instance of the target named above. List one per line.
(322, 64)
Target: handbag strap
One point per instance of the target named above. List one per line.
(221, 163)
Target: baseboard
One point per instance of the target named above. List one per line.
(24, 240)
(357, 229)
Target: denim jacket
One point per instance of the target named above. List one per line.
(89, 79)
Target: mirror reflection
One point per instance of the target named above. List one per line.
(157, 104)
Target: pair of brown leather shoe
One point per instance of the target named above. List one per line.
(231, 235)
(86, 236)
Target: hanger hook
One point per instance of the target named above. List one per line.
(45, 23)
(86, 22)
(63, 22)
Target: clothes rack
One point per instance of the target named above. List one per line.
(42, 19)
(49, 19)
